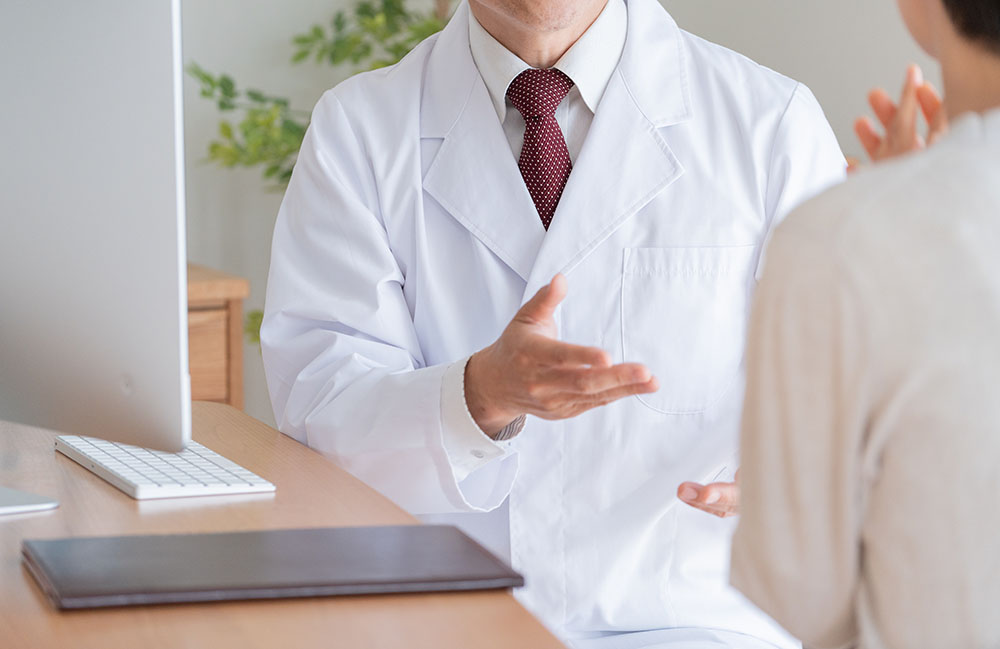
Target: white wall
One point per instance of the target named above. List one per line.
(840, 49)
(230, 213)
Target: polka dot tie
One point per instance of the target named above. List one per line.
(544, 163)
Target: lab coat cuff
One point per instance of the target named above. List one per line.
(467, 446)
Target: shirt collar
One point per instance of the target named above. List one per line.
(971, 127)
(590, 62)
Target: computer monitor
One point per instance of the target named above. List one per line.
(93, 304)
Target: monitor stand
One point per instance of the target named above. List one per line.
(20, 502)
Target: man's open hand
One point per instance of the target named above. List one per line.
(528, 371)
(719, 498)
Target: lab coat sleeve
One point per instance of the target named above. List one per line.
(796, 552)
(467, 445)
(344, 367)
(805, 159)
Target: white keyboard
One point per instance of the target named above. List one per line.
(144, 474)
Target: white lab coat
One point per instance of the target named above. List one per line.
(407, 240)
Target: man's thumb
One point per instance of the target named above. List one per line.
(544, 303)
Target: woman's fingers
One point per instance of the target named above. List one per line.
(932, 107)
(883, 106)
(869, 137)
(909, 106)
(930, 101)
(901, 121)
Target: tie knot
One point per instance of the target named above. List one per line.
(537, 93)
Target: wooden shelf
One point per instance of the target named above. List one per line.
(215, 334)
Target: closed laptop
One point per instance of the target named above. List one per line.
(130, 570)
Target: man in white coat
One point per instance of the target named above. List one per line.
(433, 203)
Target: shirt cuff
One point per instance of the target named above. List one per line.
(467, 446)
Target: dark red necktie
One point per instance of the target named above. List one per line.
(544, 163)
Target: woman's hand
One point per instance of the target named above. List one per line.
(901, 122)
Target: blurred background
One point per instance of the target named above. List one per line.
(839, 49)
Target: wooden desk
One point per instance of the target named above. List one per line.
(312, 492)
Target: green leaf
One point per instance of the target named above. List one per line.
(201, 75)
(294, 128)
(227, 86)
(340, 21)
(251, 325)
(399, 50)
(382, 63)
(365, 10)
(362, 52)
(226, 130)
(424, 28)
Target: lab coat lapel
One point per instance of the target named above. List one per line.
(474, 175)
(625, 161)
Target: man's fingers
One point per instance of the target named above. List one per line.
(721, 498)
(718, 494)
(721, 512)
(869, 138)
(541, 307)
(596, 380)
(883, 106)
(573, 404)
(610, 396)
(550, 352)
(570, 404)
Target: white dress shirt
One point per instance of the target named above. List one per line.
(590, 62)
(870, 439)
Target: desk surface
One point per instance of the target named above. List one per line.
(312, 492)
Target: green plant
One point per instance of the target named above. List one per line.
(266, 132)
(269, 134)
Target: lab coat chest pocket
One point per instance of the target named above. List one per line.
(684, 314)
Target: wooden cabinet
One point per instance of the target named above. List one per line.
(215, 335)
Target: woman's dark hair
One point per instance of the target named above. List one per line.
(978, 20)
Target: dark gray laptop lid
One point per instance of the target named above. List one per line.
(127, 570)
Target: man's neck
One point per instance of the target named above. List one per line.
(971, 78)
(539, 48)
